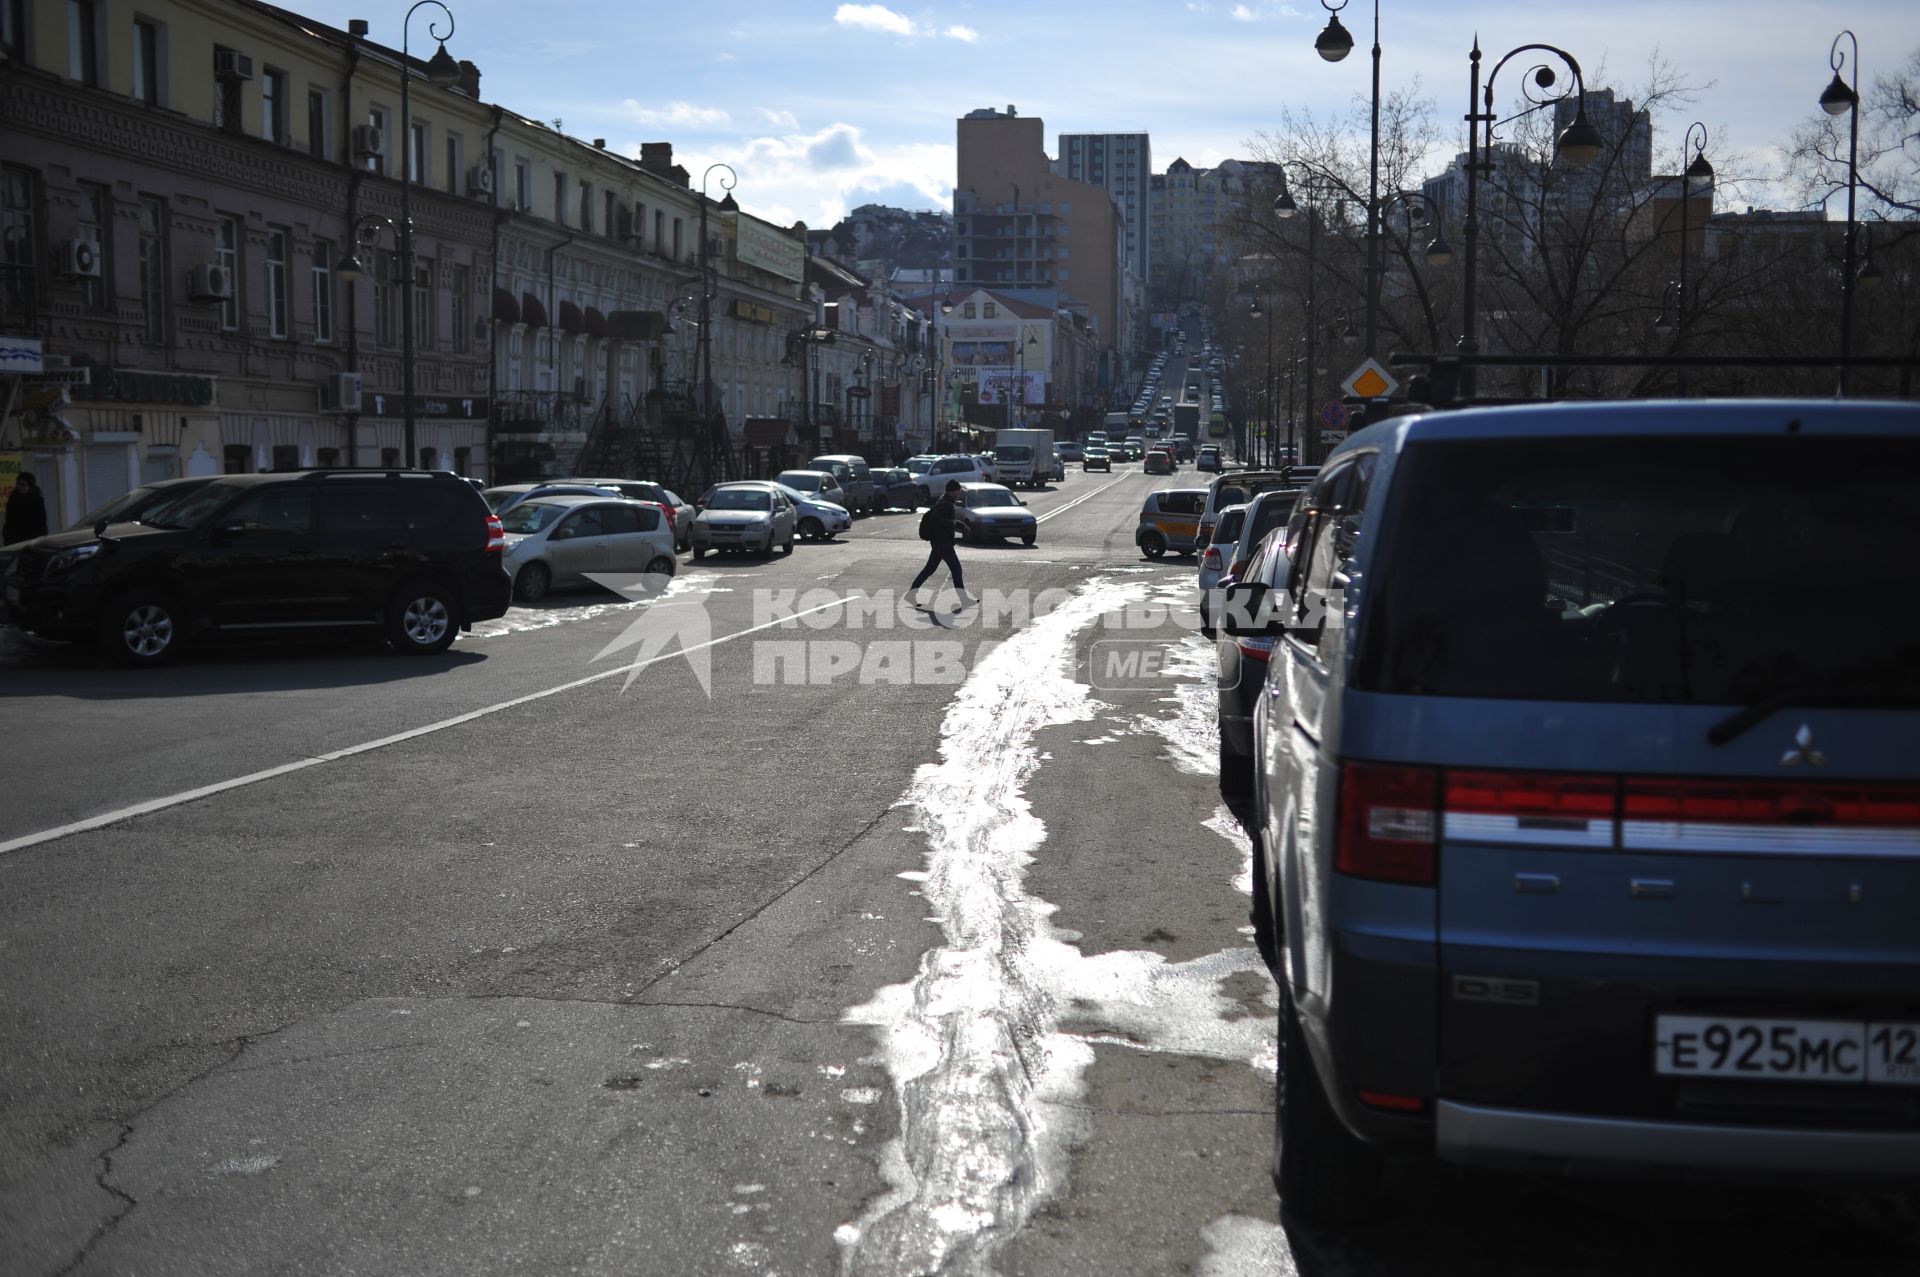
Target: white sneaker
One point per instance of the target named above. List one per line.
(966, 600)
(912, 597)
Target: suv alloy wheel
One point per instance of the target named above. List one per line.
(422, 619)
(142, 629)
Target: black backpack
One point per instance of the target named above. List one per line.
(926, 522)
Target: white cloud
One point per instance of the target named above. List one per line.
(1243, 14)
(679, 114)
(877, 17)
(816, 177)
(779, 119)
(874, 17)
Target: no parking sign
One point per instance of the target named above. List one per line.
(1334, 415)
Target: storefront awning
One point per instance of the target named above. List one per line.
(596, 323)
(571, 320)
(505, 308)
(532, 312)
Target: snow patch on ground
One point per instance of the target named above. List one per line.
(988, 1044)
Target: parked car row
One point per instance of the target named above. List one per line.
(1573, 850)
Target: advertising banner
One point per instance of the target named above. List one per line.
(762, 244)
(1003, 385)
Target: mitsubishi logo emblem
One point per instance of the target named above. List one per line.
(1803, 750)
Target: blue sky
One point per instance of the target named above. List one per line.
(820, 105)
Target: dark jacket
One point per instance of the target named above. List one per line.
(937, 523)
(27, 516)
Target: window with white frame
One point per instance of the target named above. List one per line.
(227, 255)
(277, 238)
(323, 290)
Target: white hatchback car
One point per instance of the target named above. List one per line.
(563, 540)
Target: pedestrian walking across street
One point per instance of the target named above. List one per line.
(936, 528)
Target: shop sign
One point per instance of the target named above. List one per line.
(131, 385)
(429, 407)
(754, 311)
(20, 355)
(761, 244)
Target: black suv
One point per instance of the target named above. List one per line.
(265, 555)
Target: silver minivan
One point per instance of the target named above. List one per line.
(1588, 795)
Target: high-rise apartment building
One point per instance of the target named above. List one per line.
(1021, 226)
(1123, 163)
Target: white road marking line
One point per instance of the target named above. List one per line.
(152, 805)
(1062, 509)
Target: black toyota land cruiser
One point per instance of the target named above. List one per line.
(246, 557)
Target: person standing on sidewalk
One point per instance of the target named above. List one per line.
(937, 529)
(27, 513)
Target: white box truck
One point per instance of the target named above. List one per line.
(1023, 456)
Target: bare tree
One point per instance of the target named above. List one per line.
(1326, 166)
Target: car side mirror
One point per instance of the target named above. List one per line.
(1021, 500)
(228, 531)
(1247, 611)
(561, 534)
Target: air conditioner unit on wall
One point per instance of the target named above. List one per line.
(480, 181)
(229, 65)
(79, 259)
(367, 141)
(209, 282)
(346, 391)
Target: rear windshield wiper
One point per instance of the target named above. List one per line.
(1830, 694)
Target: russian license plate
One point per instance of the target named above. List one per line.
(1877, 1053)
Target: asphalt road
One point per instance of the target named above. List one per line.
(919, 945)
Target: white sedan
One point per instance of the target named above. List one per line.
(743, 517)
(815, 519)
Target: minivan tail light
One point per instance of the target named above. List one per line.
(1532, 795)
(673, 515)
(496, 534)
(1389, 823)
(1763, 802)
(1211, 559)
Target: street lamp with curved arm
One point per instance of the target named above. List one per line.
(1695, 178)
(442, 71)
(1579, 144)
(709, 285)
(1841, 98)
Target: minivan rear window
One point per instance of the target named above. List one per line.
(1713, 571)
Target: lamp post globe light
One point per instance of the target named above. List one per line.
(709, 282)
(364, 233)
(1841, 98)
(1579, 144)
(1333, 44)
(442, 71)
(1696, 178)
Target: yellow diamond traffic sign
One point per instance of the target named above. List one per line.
(1370, 380)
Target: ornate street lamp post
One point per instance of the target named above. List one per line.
(1333, 44)
(1840, 98)
(1266, 380)
(1696, 178)
(442, 70)
(1579, 145)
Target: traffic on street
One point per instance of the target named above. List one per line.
(1339, 701)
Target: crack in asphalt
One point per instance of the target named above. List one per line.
(772, 900)
(128, 1202)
